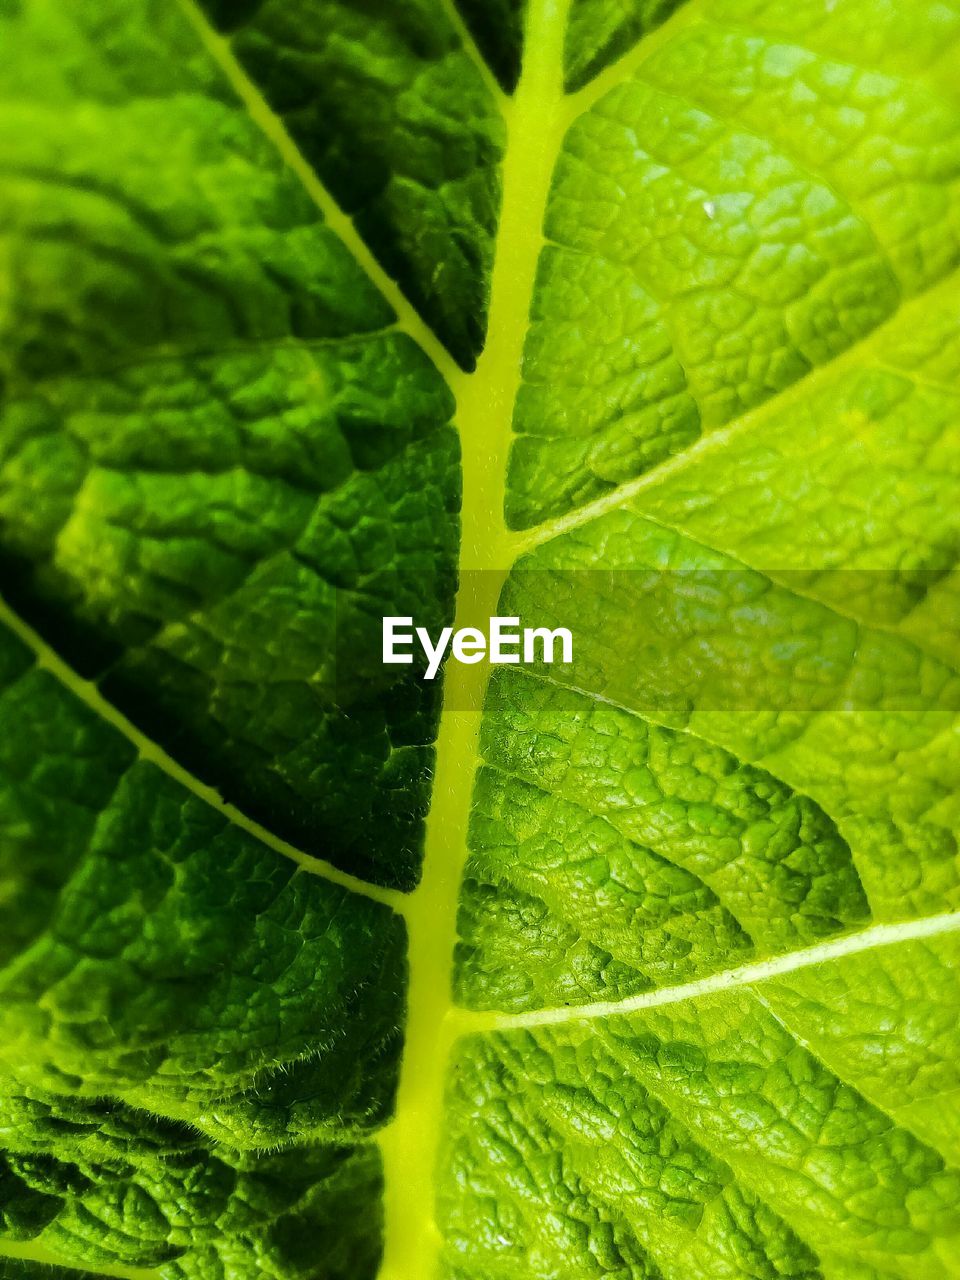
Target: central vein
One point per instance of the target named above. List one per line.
(535, 120)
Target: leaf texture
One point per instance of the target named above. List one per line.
(641, 969)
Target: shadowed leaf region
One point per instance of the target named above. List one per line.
(633, 317)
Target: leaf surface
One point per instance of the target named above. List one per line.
(641, 969)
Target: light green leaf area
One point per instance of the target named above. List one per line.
(735, 1134)
(641, 968)
(738, 213)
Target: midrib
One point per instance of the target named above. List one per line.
(535, 119)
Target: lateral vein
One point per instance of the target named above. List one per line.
(49, 660)
(622, 68)
(270, 124)
(34, 1251)
(459, 25)
(526, 540)
(874, 938)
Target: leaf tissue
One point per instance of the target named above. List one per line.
(638, 317)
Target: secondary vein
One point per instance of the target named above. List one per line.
(36, 1251)
(88, 693)
(525, 540)
(273, 128)
(877, 936)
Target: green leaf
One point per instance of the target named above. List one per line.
(497, 27)
(599, 31)
(641, 968)
(710, 1137)
(389, 109)
(212, 437)
(17, 1269)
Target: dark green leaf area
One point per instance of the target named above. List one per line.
(215, 456)
(162, 956)
(497, 27)
(600, 31)
(208, 536)
(393, 115)
(120, 1187)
